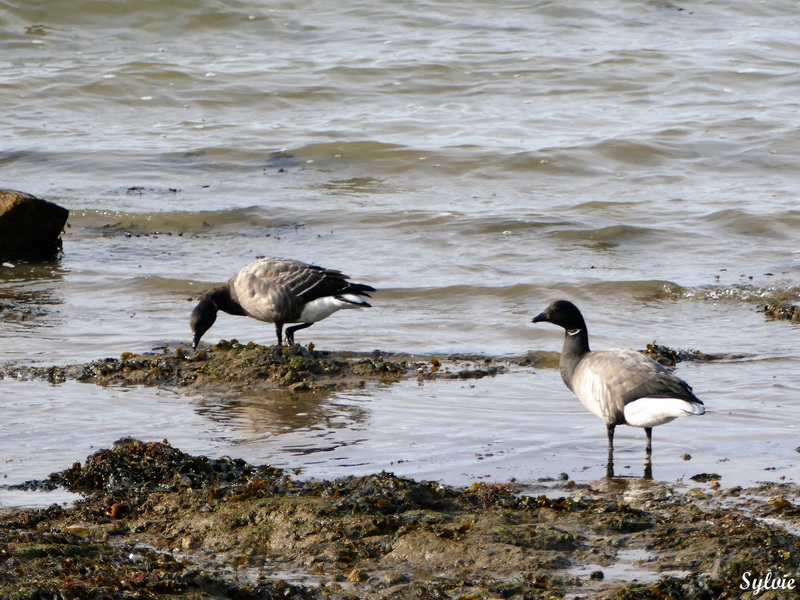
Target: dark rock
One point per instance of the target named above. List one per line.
(30, 228)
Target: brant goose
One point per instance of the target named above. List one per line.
(620, 386)
(280, 291)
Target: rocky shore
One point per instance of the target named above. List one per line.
(155, 522)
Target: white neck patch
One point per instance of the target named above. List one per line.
(573, 331)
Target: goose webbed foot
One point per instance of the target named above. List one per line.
(290, 331)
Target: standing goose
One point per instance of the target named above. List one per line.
(280, 291)
(620, 386)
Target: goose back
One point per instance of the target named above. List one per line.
(278, 290)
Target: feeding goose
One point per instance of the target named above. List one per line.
(279, 291)
(622, 387)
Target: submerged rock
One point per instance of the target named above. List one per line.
(30, 228)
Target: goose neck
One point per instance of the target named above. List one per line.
(222, 299)
(576, 346)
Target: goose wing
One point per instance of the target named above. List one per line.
(277, 289)
(315, 282)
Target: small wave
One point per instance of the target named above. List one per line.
(612, 236)
(151, 284)
(641, 153)
(743, 293)
(178, 222)
(445, 161)
(642, 290)
(655, 290)
(652, 290)
(393, 158)
(523, 292)
(500, 225)
(583, 158)
(162, 17)
(356, 186)
(747, 223)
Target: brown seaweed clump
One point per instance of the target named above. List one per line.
(670, 357)
(232, 366)
(781, 310)
(134, 466)
(229, 365)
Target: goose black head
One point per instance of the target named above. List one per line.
(562, 313)
(201, 319)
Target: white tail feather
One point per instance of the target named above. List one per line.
(651, 412)
(324, 307)
(352, 299)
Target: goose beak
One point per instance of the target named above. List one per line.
(539, 318)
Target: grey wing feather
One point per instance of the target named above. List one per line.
(309, 282)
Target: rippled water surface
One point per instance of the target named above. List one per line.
(472, 160)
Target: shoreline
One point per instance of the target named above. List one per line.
(155, 522)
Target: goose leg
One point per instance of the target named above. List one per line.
(610, 431)
(610, 462)
(648, 459)
(279, 332)
(290, 331)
